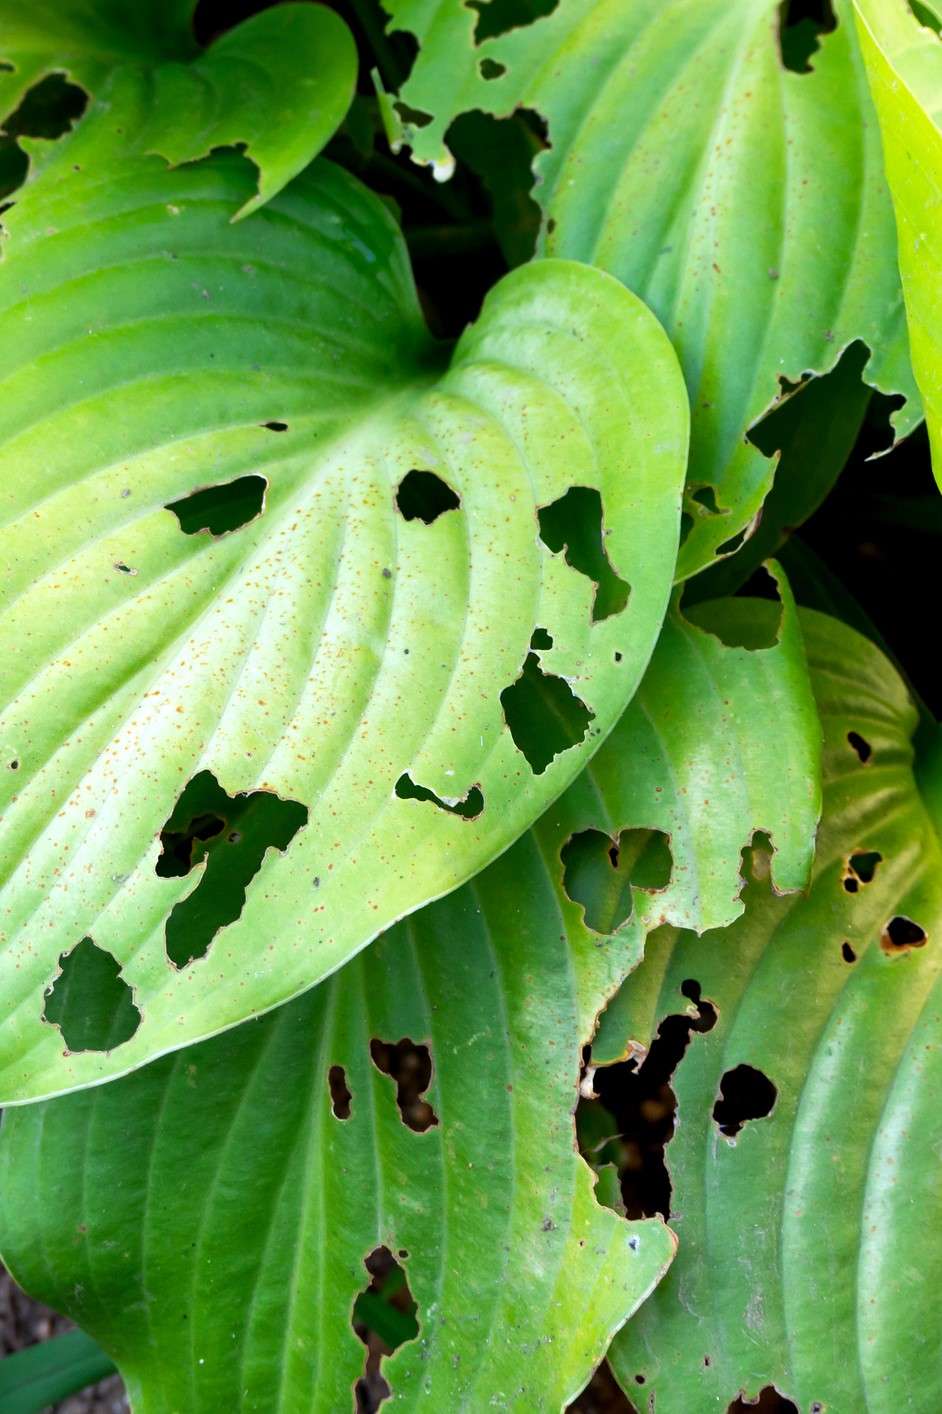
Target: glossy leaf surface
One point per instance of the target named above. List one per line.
(336, 655)
(904, 62)
(804, 1235)
(280, 83)
(744, 202)
(224, 1172)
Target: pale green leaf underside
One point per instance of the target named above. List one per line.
(327, 647)
(904, 63)
(280, 83)
(746, 204)
(233, 1146)
(809, 1248)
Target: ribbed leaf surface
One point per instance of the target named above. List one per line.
(904, 63)
(331, 651)
(280, 83)
(744, 202)
(227, 1209)
(806, 1235)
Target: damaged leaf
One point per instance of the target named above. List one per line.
(744, 202)
(277, 85)
(904, 64)
(323, 650)
(234, 1189)
(805, 1160)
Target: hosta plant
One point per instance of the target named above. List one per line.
(470, 852)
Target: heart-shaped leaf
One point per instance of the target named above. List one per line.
(279, 84)
(255, 1172)
(298, 728)
(904, 63)
(743, 201)
(805, 1161)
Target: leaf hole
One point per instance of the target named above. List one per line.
(384, 1317)
(574, 522)
(801, 24)
(498, 16)
(860, 870)
(122, 568)
(767, 1401)
(902, 935)
(737, 623)
(228, 837)
(541, 640)
(847, 952)
(340, 1097)
(424, 496)
(275, 426)
(217, 510)
(861, 746)
(468, 806)
(745, 1094)
(543, 714)
(636, 1106)
(409, 1064)
(90, 1001)
(492, 69)
(48, 110)
(601, 874)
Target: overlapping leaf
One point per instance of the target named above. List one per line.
(904, 63)
(365, 661)
(745, 203)
(804, 1236)
(227, 1208)
(279, 84)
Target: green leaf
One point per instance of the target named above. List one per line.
(211, 1174)
(337, 656)
(280, 83)
(745, 203)
(216, 1244)
(904, 63)
(41, 1375)
(807, 1234)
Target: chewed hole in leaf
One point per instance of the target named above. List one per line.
(275, 426)
(228, 837)
(638, 1105)
(409, 1064)
(860, 870)
(468, 806)
(574, 523)
(860, 746)
(498, 16)
(340, 1096)
(90, 1001)
(220, 509)
(544, 715)
(492, 68)
(601, 874)
(541, 640)
(847, 952)
(901, 935)
(801, 24)
(424, 496)
(745, 1094)
(48, 110)
(384, 1317)
(768, 1401)
(737, 624)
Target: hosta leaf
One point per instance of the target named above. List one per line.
(226, 1211)
(305, 710)
(904, 63)
(744, 202)
(806, 1234)
(280, 83)
(221, 1181)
